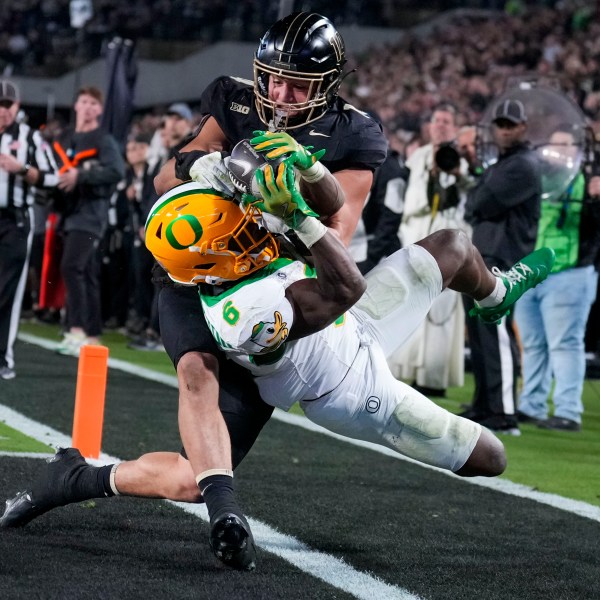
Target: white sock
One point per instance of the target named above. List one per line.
(495, 297)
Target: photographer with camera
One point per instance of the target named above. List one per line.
(434, 199)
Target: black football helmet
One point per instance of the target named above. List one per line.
(305, 47)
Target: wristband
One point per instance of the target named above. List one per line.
(314, 173)
(310, 231)
(183, 162)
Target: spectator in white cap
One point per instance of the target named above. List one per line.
(178, 123)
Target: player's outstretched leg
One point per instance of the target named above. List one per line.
(66, 478)
(524, 275)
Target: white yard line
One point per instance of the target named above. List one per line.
(583, 509)
(577, 507)
(330, 569)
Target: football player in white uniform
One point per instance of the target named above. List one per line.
(320, 336)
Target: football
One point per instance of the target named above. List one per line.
(243, 162)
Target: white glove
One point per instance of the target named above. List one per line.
(210, 172)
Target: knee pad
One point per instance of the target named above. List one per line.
(421, 416)
(390, 282)
(423, 431)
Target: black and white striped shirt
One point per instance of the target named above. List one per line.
(29, 147)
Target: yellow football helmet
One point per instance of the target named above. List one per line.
(198, 235)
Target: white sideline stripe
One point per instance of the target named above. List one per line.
(318, 564)
(115, 363)
(577, 507)
(26, 454)
(323, 566)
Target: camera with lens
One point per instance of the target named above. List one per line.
(447, 157)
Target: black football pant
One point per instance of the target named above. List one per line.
(183, 329)
(495, 364)
(145, 292)
(80, 267)
(15, 247)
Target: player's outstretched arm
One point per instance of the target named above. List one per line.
(319, 301)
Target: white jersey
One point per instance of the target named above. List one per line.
(251, 321)
(340, 375)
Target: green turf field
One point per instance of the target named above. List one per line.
(12, 440)
(561, 463)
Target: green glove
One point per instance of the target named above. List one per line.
(278, 143)
(280, 197)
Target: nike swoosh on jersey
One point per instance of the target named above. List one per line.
(242, 163)
(313, 132)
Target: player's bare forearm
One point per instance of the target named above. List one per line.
(166, 180)
(355, 185)
(338, 286)
(324, 196)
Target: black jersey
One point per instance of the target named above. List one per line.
(351, 139)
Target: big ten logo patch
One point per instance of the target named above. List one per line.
(244, 110)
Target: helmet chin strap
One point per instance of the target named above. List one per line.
(282, 120)
(279, 120)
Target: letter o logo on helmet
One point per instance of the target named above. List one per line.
(194, 227)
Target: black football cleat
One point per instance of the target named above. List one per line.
(232, 542)
(53, 488)
(20, 510)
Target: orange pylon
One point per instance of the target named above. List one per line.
(89, 400)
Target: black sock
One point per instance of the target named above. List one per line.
(69, 478)
(217, 491)
(91, 482)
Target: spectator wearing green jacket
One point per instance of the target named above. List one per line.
(552, 318)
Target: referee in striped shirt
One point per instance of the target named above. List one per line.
(26, 162)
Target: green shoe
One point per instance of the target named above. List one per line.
(523, 276)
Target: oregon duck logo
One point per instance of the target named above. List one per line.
(270, 334)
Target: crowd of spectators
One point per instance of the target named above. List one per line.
(468, 62)
(48, 37)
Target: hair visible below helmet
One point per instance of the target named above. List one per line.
(305, 47)
(199, 236)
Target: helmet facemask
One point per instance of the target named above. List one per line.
(321, 91)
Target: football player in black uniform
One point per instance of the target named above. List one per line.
(298, 69)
